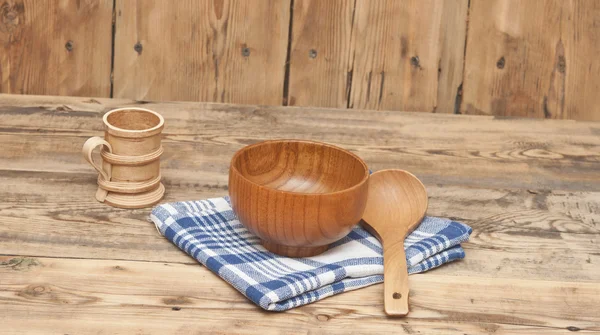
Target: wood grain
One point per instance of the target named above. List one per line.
(41, 138)
(56, 47)
(298, 196)
(453, 36)
(398, 55)
(224, 51)
(396, 205)
(529, 189)
(129, 176)
(320, 57)
(459, 150)
(519, 65)
(375, 54)
(530, 229)
(156, 298)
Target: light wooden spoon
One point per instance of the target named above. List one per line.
(396, 205)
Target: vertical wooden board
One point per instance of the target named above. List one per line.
(219, 50)
(582, 65)
(511, 54)
(533, 58)
(453, 36)
(320, 52)
(397, 54)
(56, 47)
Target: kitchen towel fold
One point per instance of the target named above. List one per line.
(209, 231)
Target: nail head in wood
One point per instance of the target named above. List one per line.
(500, 63)
(414, 61)
(138, 48)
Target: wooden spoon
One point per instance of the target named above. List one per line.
(396, 205)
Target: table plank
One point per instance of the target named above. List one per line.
(155, 298)
(558, 229)
(443, 149)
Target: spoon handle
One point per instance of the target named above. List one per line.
(395, 278)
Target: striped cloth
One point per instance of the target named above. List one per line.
(209, 231)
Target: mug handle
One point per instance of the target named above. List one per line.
(87, 149)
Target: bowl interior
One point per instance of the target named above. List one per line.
(301, 167)
(133, 119)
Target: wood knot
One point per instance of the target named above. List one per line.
(177, 301)
(176, 308)
(500, 63)
(34, 291)
(573, 329)
(63, 108)
(403, 46)
(323, 317)
(92, 101)
(562, 64)
(21, 263)
(119, 268)
(9, 16)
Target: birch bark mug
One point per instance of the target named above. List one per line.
(129, 175)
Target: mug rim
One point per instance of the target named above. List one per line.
(131, 132)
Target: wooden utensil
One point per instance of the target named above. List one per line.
(298, 196)
(396, 204)
(129, 176)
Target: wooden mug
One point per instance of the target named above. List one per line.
(129, 176)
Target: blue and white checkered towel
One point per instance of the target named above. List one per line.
(209, 231)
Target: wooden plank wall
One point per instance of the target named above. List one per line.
(225, 51)
(52, 47)
(534, 58)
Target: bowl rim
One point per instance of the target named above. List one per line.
(359, 184)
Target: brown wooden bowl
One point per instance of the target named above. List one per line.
(298, 196)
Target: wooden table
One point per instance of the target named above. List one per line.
(70, 265)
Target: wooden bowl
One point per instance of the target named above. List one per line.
(298, 196)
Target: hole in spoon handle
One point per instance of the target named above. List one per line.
(395, 280)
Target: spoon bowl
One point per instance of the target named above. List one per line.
(396, 204)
